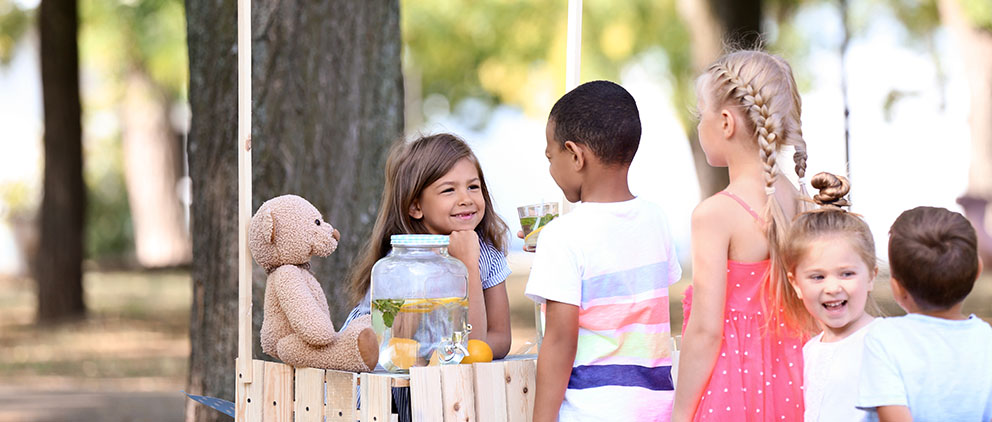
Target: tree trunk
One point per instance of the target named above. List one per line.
(976, 50)
(153, 167)
(327, 103)
(58, 270)
(715, 25)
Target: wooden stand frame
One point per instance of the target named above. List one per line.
(269, 391)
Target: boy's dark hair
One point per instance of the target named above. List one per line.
(933, 253)
(601, 115)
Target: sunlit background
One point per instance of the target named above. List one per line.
(909, 141)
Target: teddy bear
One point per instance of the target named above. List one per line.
(296, 328)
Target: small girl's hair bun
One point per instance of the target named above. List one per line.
(832, 189)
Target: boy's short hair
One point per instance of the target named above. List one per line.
(933, 253)
(601, 115)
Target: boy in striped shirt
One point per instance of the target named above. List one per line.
(602, 271)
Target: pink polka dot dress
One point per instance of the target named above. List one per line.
(758, 373)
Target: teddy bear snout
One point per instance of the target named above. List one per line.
(325, 240)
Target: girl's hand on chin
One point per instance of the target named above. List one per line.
(464, 246)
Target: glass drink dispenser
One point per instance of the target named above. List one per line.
(419, 304)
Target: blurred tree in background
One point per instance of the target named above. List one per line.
(970, 24)
(14, 22)
(137, 52)
(58, 271)
(327, 101)
(133, 58)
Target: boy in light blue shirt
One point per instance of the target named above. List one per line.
(934, 364)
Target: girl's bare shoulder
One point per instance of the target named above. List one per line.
(713, 210)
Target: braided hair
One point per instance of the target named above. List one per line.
(762, 85)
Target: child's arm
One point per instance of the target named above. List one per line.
(464, 246)
(498, 318)
(894, 414)
(703, 331)
(554, 362)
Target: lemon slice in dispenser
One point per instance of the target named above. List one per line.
(404, 352)
(417, 306)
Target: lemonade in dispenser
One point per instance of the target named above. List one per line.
(419, 304)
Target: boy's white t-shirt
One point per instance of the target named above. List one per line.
(615, 262)
(830, 377)
(941, 369)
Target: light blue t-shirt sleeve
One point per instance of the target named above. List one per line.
(881, 382)
(493, 267)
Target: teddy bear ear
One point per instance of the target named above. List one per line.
(265, 226)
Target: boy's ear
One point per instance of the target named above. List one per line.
(415, 212)
(897, 290)
(578, 154)
(792, 282)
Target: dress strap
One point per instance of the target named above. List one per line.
(744, 204)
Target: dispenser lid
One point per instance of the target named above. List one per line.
(418, 240)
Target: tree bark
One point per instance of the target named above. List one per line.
(327, 103)
(58, 270)
(153, 167)
(715, 25)
(976, 50)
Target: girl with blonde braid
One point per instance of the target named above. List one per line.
(743, 335)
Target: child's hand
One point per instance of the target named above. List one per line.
(464, 246)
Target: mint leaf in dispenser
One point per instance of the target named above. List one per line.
(389, 309)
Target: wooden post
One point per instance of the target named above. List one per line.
(249, 402)
(244, 361)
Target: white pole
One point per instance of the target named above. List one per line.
(573, 44)
(244, 361)
(573, 60)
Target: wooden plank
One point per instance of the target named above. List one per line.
(248, 402)
(277, 393)
(309, 391)
(457, 393)
(342, 404)
(490, 391)
(425, 393)
(244, 368)
(377, 398)
(520, 378)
